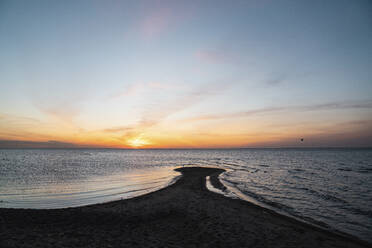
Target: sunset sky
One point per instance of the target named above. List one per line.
(185, 74)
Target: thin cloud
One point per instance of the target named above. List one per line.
(233, 115)
(338, 105)
(138, 88)
(117, 129)
(63, 107)
(65, 112)
(330, 136)
(15, 134)
(212, 56)
(317, 107)
(15, 119)
(276, 80)
(36, 144)
(217, 56)
(156, 113)
(279, 78)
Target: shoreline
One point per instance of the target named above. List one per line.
(184, 214)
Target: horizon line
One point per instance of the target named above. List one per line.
(189, 148)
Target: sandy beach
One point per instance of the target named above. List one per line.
(184, 214)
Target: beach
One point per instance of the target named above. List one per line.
(184, 214)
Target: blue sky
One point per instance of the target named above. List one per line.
(186, 73)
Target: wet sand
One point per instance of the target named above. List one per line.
(184, 214)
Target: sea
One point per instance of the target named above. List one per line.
(331, 188)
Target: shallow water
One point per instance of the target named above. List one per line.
(69, 178)
(329, 187)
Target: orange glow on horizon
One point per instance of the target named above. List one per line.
(138, 142)
(227, 133)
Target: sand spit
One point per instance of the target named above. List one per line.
(184, 214)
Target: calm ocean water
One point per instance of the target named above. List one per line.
(329, 187)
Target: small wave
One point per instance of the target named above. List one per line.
(266, 201)
(188, 164)
(231, 164)
(324, 196)
(299, 177)
(275, 206)
(333, 198)
(358, 211)
(295, 170)
(364, 170)
(314, 221)
(256, 170)
(234, 183)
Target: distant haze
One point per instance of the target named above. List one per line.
(185, 74)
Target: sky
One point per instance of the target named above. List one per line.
(185, 74)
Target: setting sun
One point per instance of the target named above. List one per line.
(138, 142)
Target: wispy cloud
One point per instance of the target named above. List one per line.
(65, 112)
(234, 114)
(14, 127)
(277, 78)
(274, 80)
(342, 134)
(20, 134)
(120, 129)
(338, 105)
(217, 56)
(367, 104)
(18, 127)
(138, 88)
(157, 113)
(15, 119)
(62, 105)
(36, 144)
(212, 56)
(153, 114)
